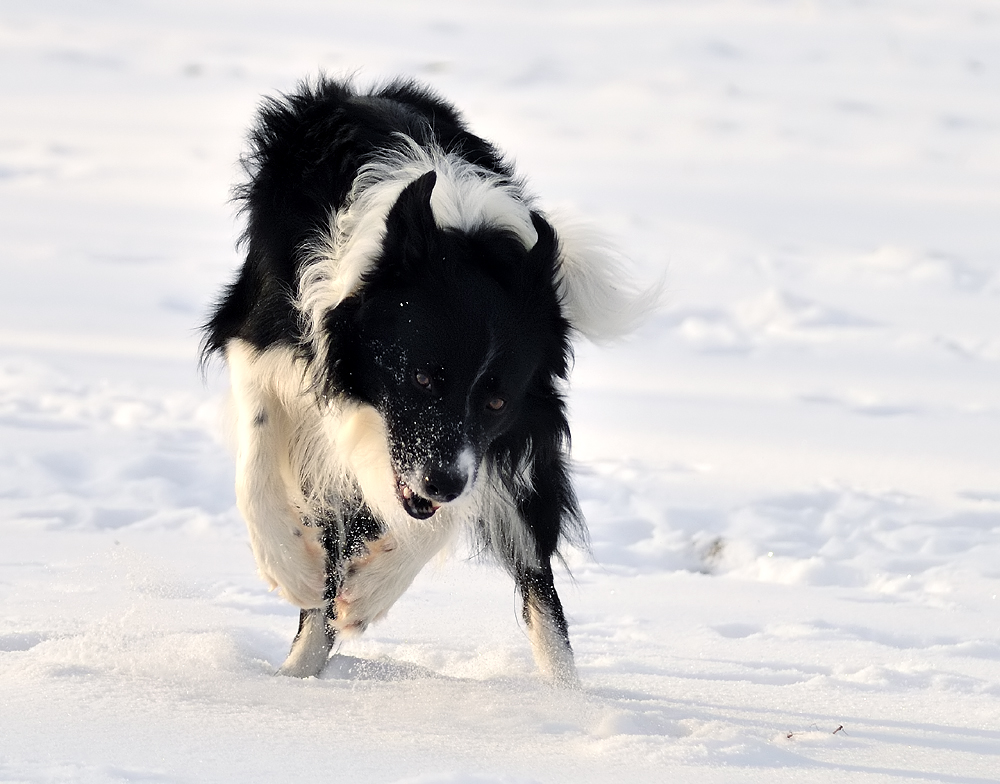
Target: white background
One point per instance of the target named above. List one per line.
(791, 473)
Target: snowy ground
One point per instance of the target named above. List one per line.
(792, 474)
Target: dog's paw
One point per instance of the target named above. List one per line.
(295, 564)
(372, 584)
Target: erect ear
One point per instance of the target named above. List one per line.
(410, 230)
(543, 252)
(541, 264)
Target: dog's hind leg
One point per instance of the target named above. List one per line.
(547, 628)
(311, 646)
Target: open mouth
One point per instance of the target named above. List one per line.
(415, 505)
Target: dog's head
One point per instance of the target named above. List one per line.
(457, 339)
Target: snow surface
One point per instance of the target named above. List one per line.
(791, 473)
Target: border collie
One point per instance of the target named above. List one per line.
(398, 342)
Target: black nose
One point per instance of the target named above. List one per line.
(444, 484)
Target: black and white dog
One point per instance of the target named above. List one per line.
(398, 341)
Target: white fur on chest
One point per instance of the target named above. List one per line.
(299, 456)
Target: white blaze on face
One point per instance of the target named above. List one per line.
(467, 464)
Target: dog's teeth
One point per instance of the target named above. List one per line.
(407, 492)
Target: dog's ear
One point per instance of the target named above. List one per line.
(410, 229)
(543, 253)
(541, 265)
(542, 273)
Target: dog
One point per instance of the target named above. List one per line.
(399, 340)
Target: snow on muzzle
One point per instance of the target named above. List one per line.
(422, 492)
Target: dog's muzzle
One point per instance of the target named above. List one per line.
(423, 494)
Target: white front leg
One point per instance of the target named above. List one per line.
(374, 581)
(289, 554)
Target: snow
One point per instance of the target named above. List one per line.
(790, 472)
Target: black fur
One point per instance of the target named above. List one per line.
(456, 337)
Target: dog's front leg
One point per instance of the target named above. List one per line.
(549, 508)
(311, 646)
(288, 552)
(377, 575)
(345, 541)
(546, 622)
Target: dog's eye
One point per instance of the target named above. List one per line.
(495, 403)
(422, 379)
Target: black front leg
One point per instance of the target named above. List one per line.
(551, 514)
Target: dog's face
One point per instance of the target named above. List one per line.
(450, 369)
(450, 339)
